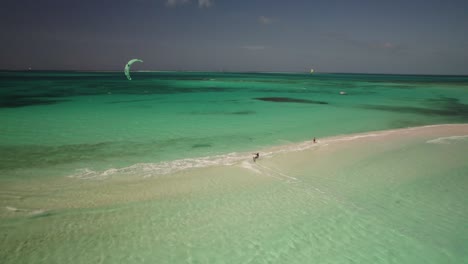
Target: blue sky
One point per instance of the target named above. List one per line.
(413, 36)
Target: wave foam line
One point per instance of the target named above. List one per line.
(168, 167)
(14, 209)
(31, 212)
(277, 172)
(163, 168)
(446, 140)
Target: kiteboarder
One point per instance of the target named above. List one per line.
(257, 155)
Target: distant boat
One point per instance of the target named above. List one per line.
(342, 93)
(311, 71)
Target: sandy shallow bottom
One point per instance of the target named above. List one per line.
(396, 196)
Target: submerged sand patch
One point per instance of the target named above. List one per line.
(379, 197)
(218, 174)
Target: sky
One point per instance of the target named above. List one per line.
(355, 36)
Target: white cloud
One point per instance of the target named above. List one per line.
(265, 20)
(201, 3)
(176, 2)
(205, 3)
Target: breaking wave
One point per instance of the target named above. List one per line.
(447, 140)
(232, 159)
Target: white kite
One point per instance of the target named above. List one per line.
(127, 68)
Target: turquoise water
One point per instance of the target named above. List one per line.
(98, 169)
(63, 121)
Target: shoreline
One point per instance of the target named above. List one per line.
(234, 158)
(233, 172)
(394, 193)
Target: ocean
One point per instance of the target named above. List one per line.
(98, 169)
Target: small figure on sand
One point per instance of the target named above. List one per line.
(315, 141)
(257, 155)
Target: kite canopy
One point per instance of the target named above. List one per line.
(127, 68)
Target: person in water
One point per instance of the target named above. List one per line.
(257, 155)
(315, 141)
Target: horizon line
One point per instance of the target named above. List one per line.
(224, 71)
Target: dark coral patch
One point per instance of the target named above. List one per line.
(22, 101)
(289, 100)
(441, 107)
(246, 112)
(201, 146)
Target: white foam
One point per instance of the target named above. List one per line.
(13, 209)
(243, 160)
(276, 172)
(250, 166)
(163, 168)
(257, 168)
(239, 159)
(446, 140)
(349, 138)
(29, 211)
(38, 212)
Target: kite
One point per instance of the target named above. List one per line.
(127, 68)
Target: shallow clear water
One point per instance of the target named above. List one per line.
(97, 169)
